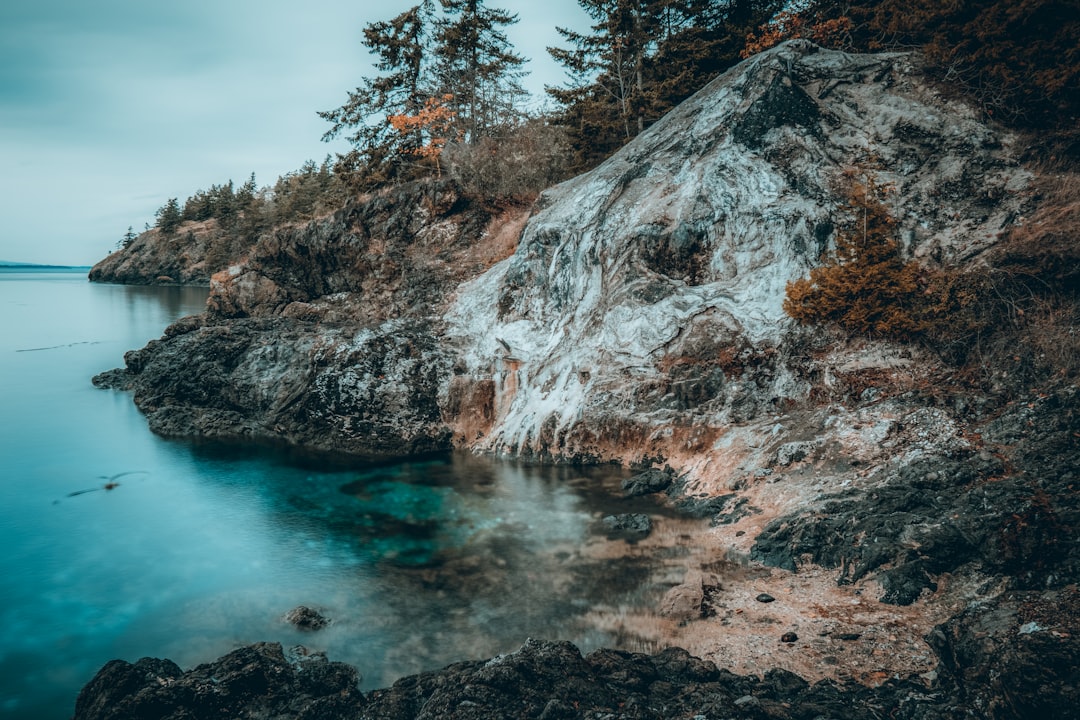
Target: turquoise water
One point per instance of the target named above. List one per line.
(199, 549)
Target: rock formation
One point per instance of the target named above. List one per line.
(184, 257)
(636, 315)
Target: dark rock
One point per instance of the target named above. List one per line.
(304, 618)
(541, 679)
(704, 507)
(941, 512)
(765, 598)
(789, 637)
(783, 104)
(648, 482)
(254, 681)
(1002, 672)
(370, 393)
(849, 636)
(633, 524)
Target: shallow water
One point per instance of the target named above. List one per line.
(199, 549)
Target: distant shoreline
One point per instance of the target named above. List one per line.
(22, 267)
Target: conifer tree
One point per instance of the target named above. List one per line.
(476, 66)
(127, 239)
(169, 216)
(640, 59)
(422, 56)
(401, 47)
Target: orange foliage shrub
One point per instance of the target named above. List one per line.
(866, 287)
(832, 32)
(436, 121)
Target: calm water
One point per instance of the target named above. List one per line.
(199, 550)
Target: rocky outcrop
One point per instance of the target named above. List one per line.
(924, 515)
(648, 293)
(187, 256)
(369, 392)
(255, 681)
(328, 337)
(540, 680)
(640, 315)
(1016, 655)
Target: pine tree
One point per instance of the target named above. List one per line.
(477, 67)
(402, 50)
(169, 216)
(640, 59)
(127, 239)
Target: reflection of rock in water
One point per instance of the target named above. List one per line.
(631, 526)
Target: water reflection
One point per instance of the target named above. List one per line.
(427, 562)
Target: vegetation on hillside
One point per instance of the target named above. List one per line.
(638, 60)
(1019, 310)
(1017, 59)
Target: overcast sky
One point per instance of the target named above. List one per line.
(110, 107)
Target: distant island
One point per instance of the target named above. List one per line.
(8, 265)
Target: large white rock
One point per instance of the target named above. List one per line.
(677, 250)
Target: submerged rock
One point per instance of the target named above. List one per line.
(304, 618)
(648, 483)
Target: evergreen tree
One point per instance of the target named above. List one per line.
(477, 67)
(640, 59)
(127, 239)
(169, 216)
(421, 57)
(245, 196)
(401, 48)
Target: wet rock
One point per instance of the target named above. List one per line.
(628, 524)
(647, 483)
(254, 681)
(304, 618)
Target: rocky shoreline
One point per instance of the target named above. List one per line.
(914, 525)
(985, 671)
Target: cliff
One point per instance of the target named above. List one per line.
(635, 314)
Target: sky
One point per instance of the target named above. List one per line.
(110, 107)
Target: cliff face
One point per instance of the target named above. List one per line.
(648, 293)
(636, 314)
